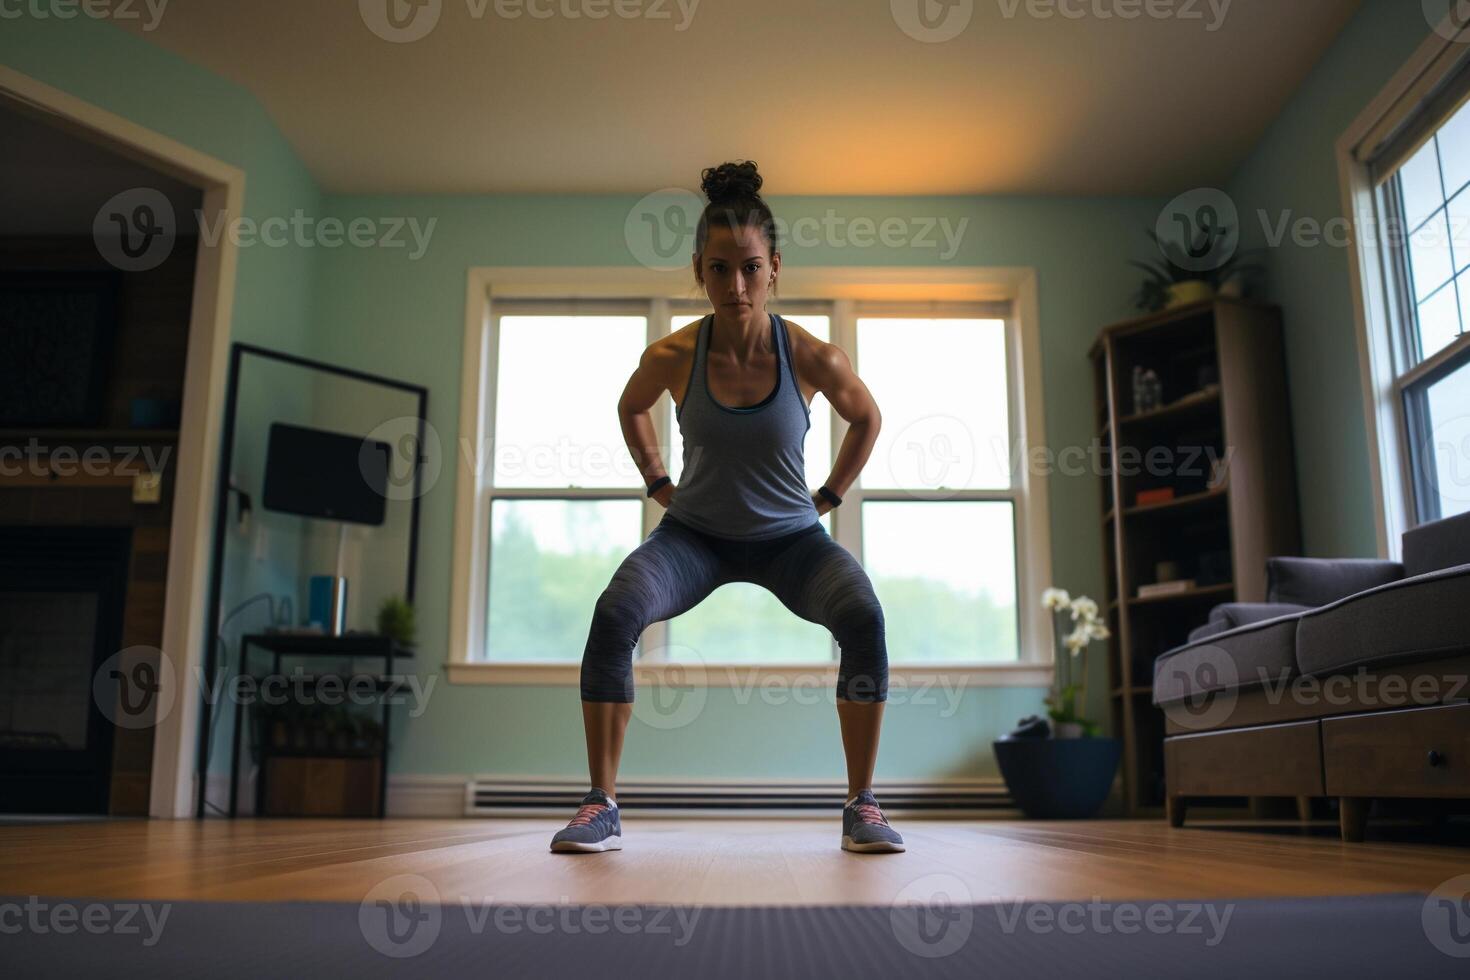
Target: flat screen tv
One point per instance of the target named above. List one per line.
(330, 475)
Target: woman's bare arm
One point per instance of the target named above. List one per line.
(827, 368)
(648, 382)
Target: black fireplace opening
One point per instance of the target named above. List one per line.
(62, 595)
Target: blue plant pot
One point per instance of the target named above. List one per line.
(1059, 778)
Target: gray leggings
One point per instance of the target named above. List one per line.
(676, 566)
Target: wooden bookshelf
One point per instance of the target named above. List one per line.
(1223, 373)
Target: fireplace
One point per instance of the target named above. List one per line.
(62, 592)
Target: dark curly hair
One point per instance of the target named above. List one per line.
(733, 190)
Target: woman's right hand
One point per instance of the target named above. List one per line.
(665, 494)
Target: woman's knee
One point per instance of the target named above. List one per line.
(607, 660)
(863, 671)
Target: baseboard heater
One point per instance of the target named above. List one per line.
(551, 797)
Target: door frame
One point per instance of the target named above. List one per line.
(175, 738)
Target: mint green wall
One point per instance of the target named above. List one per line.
(378, 310)
(375, 309)
(1294, 168)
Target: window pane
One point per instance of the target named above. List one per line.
(818, 448)
(741, 622)
(556, 397)
(945, 418)
(945, 572)
(1460, 229)
(1429, 256)
(1454, 150)
(1449, 439)
(1419, 179)
(549, 561)
(1439, 320)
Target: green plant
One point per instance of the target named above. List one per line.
(395, 619)
(1068, 698)
(1179, 265)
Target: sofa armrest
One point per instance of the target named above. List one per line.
(1317, 581)
(1438, 544)
(1232, 615)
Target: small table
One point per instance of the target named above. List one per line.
(354, 645)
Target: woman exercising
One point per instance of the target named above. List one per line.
(742, 511)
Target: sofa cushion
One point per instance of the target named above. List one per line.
(1436, 545)
(1318, 581)
(1245, 657)
(1414, 618)
(1229, 615)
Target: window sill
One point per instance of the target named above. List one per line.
(748, 675)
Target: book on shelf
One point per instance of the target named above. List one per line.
(1158, 495)
(1165, 588)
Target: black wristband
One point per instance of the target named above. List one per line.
(653, 487)
(829, 496)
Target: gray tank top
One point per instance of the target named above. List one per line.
(744, 473)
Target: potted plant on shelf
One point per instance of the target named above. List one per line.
(395, 619)
(1178, 280)
(1062, 769)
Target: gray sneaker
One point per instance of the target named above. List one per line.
(864, 828)
(596, 827)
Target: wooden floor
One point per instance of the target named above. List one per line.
(710, 862)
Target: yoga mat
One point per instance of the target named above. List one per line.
(393, 933)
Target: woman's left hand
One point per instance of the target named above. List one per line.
(822, 505)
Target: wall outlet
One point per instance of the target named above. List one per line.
(147, 488)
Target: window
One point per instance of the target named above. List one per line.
(939, 502)
(1424, 195)
(949, 527)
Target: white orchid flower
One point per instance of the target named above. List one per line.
(1055, 599)
(1084, 608)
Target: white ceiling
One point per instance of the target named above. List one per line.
(828, 96)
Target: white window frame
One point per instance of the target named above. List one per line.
(1010, 292)
(1385, 367)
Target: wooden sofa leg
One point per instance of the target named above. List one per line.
(1353, 817)
(1304, 808)
(1174, 810)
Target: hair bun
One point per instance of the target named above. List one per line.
(731, 182)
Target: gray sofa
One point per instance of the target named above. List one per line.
(1351, 681)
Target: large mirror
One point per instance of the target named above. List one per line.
(320, 482)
